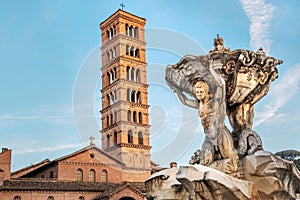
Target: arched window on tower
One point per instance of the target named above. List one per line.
(130, 137)
(130, 31)
(137, 53)
(140, 118)
(111, 32)
(112, 98)
(115, 117)
(81, 198)
(107, 120)
(138, 97)
(132, 72)
(128, 73)
(132, 51)
(132, 96)
(137, 75)
(108, 99)
(79, 175)
(110, 54)
(115, 138)
(136, 32)
(17, 198)
(115, 30)
(128, 95)
(111, 119)
(50, 198)
(113, 52)
(107, 54)
(108, 141)
(127, 50)
(115, 73)
(127, 29)
(140, 138)
(129, 115)
(108, 77)
(104, 176)
(92, 176)
(115, 95)
(134, 116)
(107, 32)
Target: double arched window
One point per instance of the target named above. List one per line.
(111, 119)
(112, 75)
(50, 198)
(133, 96)
(111, 32)
(132, 51)
(111, 53)
(132, 31)
(134, 116)
(133, 74)
(17, 198)
(81, 198)
(140, 137)
(111, 97)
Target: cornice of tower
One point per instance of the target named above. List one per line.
(124, 38)
(122, 80)
(123, 57)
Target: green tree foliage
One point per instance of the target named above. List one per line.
(297, 163)
(288, 154)
(291, 155)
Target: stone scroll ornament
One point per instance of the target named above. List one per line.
(219, 84)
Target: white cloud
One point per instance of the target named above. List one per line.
(281, 93)
(55, 115)
(46, 149)
(260, 15)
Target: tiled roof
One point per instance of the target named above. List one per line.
(138, 188)
(25, 172)
(53, 185)
(29, 169)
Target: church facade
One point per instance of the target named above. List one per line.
(118, 170)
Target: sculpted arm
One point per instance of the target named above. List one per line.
(185, 100)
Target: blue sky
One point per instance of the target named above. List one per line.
(50, 71)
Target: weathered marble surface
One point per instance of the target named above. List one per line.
(275, 178)
(263, 176)
(198, 182)
(231, 164)
(224, 83)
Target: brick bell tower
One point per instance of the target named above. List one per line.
(125, 126)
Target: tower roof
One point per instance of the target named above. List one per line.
(122, 14)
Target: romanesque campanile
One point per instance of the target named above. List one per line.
(125, 126)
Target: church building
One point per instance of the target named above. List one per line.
(119, 169)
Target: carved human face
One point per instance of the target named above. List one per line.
(201, 90)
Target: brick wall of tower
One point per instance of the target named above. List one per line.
(126, 137)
